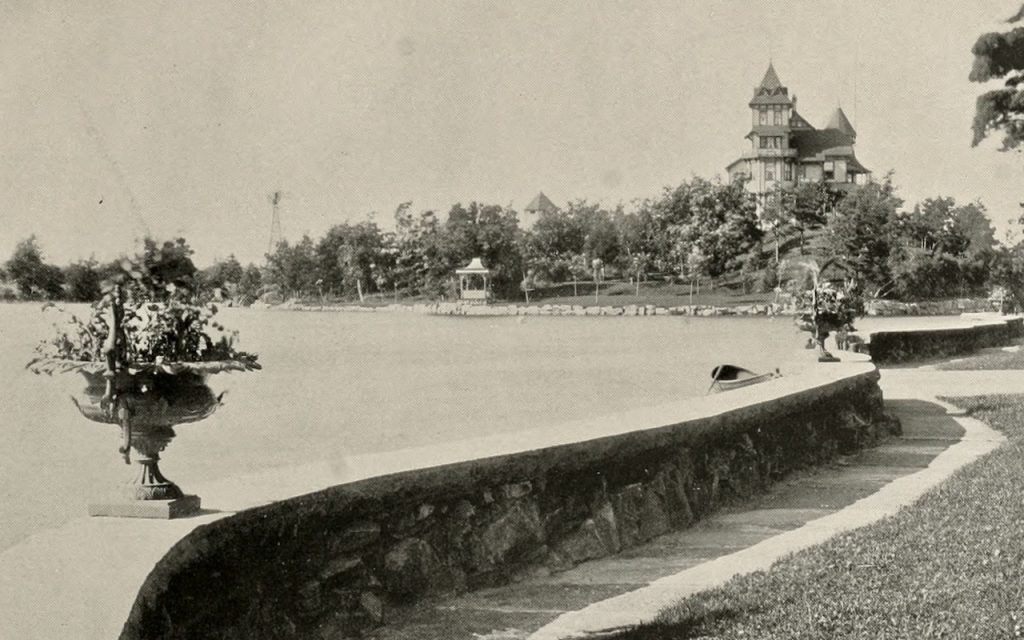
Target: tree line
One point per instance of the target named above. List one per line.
(699, 229)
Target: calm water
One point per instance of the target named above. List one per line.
(337, 384)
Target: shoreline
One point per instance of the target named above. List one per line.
(875, 308)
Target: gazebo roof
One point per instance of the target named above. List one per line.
(474, 266)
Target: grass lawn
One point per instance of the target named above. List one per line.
(949, 566)
(998, 359)
(662, 294)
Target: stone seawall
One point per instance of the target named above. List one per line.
(785, 307)
(895, 347)
(339, 561)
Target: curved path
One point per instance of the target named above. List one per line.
(621, 591)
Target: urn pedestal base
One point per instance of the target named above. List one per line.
(156, 509)
(147, 493)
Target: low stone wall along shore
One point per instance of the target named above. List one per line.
(343, 560)
(874, 308)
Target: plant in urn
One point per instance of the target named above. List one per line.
(145, 351)
(827, 308)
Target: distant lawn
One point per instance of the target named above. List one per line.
(949, 566)
(662, 294)
(612, 293)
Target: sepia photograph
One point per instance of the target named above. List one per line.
(511, 320)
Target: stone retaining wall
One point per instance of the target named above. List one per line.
(894, 347)
(338, 562)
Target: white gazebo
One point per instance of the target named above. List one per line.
(473, 282)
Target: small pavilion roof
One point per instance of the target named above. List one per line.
(474, 266)
(541, 203)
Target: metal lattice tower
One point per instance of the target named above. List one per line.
(275, 223)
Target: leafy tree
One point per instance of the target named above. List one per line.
(972, 221)
(408, 271)
(723, 224)
(250, 283)
(1000, 56)
(1007, 272)
(490, 232)
(704, 223)
(811, 204)
(948, 250)
(862, 234)
(550, 246)
(293, 268)
(601, 238)
(223, 274)
(359, 252)
(638, 243)
(167, 267)
(34, 277)
(776, 214)
(83, 281)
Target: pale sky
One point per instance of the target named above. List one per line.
(180, 118)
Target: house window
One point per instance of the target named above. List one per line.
(769, 175)
(778, 115)
(802, 172)
(763, 116)
(787, 171)
(771, 142)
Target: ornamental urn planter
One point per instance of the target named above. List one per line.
(147, 402)
(147, 408)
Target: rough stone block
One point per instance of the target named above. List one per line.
(506, 537)
(354, 536)
(412, 567)
(626, 504)
(340, 568)
(517, 489)
(372, 605)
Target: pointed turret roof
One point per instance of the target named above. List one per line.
(771, 79)
(771, 90)
(841, 122)
(540, 204)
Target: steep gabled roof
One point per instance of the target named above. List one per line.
(541, 204)
(797, 121)
(841, 122)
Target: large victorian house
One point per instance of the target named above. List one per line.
(786, 150)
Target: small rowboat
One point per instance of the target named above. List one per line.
(726, 377)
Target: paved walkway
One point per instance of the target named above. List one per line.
(807, 509)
